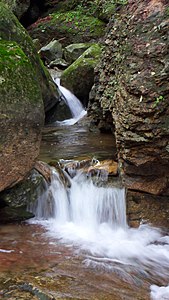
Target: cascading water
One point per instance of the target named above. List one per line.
(93, 219)
(73, 103)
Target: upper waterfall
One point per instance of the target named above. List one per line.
(73, 103)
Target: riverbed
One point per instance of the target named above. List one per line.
(39, 265)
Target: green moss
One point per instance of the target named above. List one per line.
(9, 51)
(83, 67)
(12, 30)
(18, 79)
(75, 22)
(167, 12)
(88, 58)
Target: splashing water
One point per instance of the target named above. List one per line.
(94, 219)
(159, 293)
(73, 103)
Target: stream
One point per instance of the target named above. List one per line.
(85, 249)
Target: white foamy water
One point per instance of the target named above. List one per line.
(159, 292)
(6, 251)
(76, 107)
(94, 219)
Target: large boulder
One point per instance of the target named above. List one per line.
(75, 26)
(21, 114)
(12, 30)
(132, 88)
(79, 76)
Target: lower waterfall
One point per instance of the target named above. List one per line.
(93, 220)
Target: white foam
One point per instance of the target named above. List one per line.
(6, 251)
(94, 219)
(159, 292)
(74, 104)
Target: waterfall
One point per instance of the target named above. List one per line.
(83, 203)
(93, 219)
(73, 103)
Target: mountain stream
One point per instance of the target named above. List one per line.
(84, 249)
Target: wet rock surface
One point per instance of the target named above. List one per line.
(37, 269)
(15, 203)
(131, 90)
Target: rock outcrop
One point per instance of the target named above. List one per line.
(24, 84)
(132, 91)
(12, 30)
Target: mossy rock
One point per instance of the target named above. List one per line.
(79, 76)
(70, 27)
(17, 7)
(64, 5)
(12, 30)
(21, 114)
(73, 51)
(51, 51)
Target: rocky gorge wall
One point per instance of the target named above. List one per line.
(131, 91)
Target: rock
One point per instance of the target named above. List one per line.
(44, 170)
(14, 202)
(79, 76)
(73, 51)
(18, 7)
(132, 90)
(58, 113)
(146, 208)
(62, 175)
(109, 166)
(21, 114)
(51, 51)
(73, 26)
(105, 9)
(90, 167)
(11, 29)
(36, 44)
(59, 63)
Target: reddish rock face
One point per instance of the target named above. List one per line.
(132, 89)
(132, 85)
